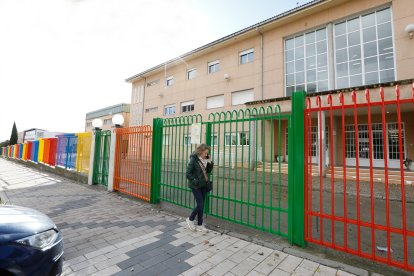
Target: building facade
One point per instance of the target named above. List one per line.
(106, 114)
(325, 45)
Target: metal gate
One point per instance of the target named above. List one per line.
(132, 174)
(355, 209)
(101, 157)
(250, 177)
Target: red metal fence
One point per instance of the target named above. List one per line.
(132, 174)
(357, 196)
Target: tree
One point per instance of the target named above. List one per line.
(13, 136)
(4, 143)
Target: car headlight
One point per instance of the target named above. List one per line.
(40, 240)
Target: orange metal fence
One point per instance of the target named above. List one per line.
(132, 174)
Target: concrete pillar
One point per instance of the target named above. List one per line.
(112, 161)
(321, 125)
(91, 159)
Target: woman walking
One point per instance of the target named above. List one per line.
(197, 175)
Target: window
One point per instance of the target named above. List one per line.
(165, 139)
(187, 106)
(169, 81)
(169, 109)
(377, 141)
(246, 56)
(214, 140)
(191, 74)
(306, 62)
(215, 101)
(107, 121)
(151, 109)
(154, 82)
(287, 142)
(213, 66)
(364, 52)
(236, 139)
(138, 94)
(242, 97)
(89, 124)
(187, 139)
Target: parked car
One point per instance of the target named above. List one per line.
(30, 243)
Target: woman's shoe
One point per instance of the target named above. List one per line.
(190, 224)
(202, 228)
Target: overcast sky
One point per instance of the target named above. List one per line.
(60, 59)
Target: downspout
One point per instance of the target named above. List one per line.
(143, 101)
(261, 63)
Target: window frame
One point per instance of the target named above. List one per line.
(212, 64)
(188, 73)
(238, 138)
(241, 91)
(209, 97)
(305, 57)
(169, 81)
(167, 107)
(246, 53)
(185, 104)
(361, 45)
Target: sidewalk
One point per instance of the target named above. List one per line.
(107, 234)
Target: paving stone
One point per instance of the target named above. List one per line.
(244, 267)
(325, 271)
(290, 263)
(270, 263)
(222, 268)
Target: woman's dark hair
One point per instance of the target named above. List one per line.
(201, 148)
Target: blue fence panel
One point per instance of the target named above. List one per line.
(66, 151)
(35, 151)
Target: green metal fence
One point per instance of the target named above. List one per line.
(101, 159)
(250, 180)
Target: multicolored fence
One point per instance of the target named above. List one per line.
(74, 151)
(133, 153)
(356, 208)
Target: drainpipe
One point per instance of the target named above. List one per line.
(261, 62)
(143, 101)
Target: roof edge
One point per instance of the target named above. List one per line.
(225, 38)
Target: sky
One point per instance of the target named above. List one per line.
(60, 59)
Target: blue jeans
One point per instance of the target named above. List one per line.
(199, 195)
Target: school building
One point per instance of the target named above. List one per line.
(324, 46)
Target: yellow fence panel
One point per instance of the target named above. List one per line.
(83, 152)
(41, 150)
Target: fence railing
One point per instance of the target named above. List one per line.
(346, 186)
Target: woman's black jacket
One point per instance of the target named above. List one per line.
(194, 174)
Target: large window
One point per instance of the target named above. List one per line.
(306, 62)
(215, 101)
(377, 141)
(364, 52)
(242, 97)
(213, 66)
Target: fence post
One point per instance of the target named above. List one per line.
(156, 160)
(111, 164)
(296, 170)
(92, 157)
(208, 142)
